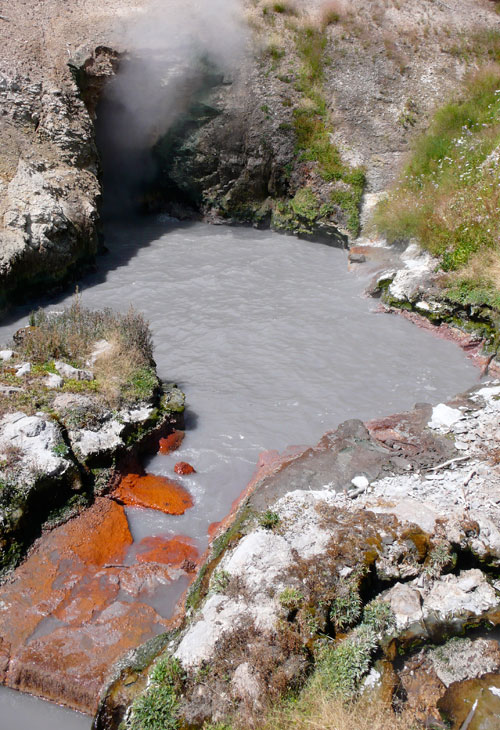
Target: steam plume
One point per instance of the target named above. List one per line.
(157, 79)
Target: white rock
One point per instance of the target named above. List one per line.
(261, 553)
(464, 659)
(36, 436)
(23, 370)
(86, 442)
(71, 373)
(423, 306)
(443, 416)
(408, 510)
(6, 355)
(361, 482)
(489, 392)
(53, 381)
(219, 614)
(406, 604)
(244, 683)
(372, 679)
(466, 594)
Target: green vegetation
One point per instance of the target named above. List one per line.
(449, 195)
(123, 371)
(71, 334)
(378, 615)
(219, 581)
(157, 708)
(269, 519)
(345, 610)
(341, 666)
(305, 205)
(291, 599)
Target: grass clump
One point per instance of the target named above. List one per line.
(449, 195)
(269, 520)
(123, 371)
(70, 335)
(341, 666)
(291, 599)
(157, 707)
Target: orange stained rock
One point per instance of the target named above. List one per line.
(153, 492)
(89, 597)
(72, 662)
(182, 467)
(171, 442)
(174, 551)
(49, 577)
(213, 528)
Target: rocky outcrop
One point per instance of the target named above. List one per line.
(412, 287)
(371, 537)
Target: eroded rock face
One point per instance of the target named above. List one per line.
(49, 212)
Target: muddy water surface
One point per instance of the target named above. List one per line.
(272, 342)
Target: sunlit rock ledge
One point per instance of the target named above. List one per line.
(381, 542)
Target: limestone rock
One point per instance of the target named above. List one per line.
(36, 437)
(406, 604)
(461, 659)
(244, 683)
(23, 370)
(71, 373)
(461, 596)
(443, 416)
(53, 381)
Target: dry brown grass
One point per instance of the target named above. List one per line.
(483, 265)
(317, 710)
(331, 12)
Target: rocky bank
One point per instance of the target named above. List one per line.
(367, 554)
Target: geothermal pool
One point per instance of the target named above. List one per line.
(273, 343)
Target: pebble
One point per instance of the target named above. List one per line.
(23, 370)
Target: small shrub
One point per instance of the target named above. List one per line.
(291, 599)
(342, 666)
(60, 449)
(305, 205)
(441, 557)
(269, 519)
(378, 615)
(345, 610)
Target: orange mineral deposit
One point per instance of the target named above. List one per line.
(171, 442)
(182, 467)
(153, 492)
(173, 551)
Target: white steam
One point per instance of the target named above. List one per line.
(158, 76)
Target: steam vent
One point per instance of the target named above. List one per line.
(249, 365)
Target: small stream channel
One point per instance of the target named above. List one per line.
(273, 343)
